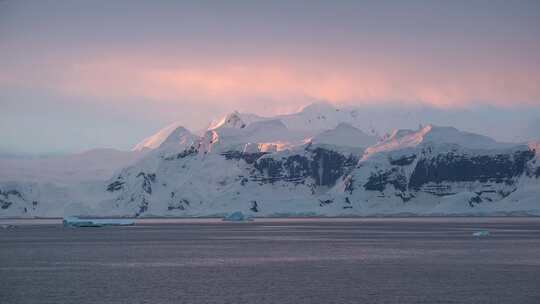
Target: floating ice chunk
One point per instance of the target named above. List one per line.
(8, 227)
(237, 216)
(73, 221)
(482, 233)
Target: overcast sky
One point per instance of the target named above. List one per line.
(76, 75)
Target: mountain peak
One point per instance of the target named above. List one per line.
(235, 120)
(154, 141)
(176, 136)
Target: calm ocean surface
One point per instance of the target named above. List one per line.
(408, 260)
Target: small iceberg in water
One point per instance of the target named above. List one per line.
(481, 233)
(237, 216)
(73, 221)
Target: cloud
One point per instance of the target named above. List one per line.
(285, 82)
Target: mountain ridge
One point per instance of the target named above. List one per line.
(312, 163)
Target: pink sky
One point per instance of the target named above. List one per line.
(191, 61)
(284, 79)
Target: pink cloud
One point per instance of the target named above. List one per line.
(290, 82)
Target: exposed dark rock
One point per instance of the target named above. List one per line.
(178, 205)
(475, 200)
(403, 161)
(504, 194)
(432, 174)
(143, 207)
(405, 196)
(271, 169)
(254, 206)
(484, 191)
(187, 152)
(297, 167)
(249, 158)
(148, 179)
(115, 186)
(325, 202)
(13, 192)
(438, 189)
(377, 181)
(175, 207)
(6, 201)
(323, 165)
(332, 165)
(191, 151)
(452, 167)
(5, 204)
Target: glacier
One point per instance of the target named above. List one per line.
(317, 162)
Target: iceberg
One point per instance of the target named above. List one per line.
(482, 233)
(237, 216)
(73, 221)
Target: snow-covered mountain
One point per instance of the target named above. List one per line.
(235, 120)
(154, 141)
(345, 135)
(319, 161)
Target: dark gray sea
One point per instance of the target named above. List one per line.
(408, 260)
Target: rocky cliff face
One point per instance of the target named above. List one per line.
(430, 170)
(431, 173)
(324, 180)
(249, 177)
(322, 165)
(261, 168)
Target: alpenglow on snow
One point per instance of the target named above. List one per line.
(319, 161)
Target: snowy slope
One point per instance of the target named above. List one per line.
(344, 135)
(263, 133)
(444, 171)
(235, 120)
(320, 116)
(401, 139)
(314, 162)
(157, 139)
(441, 170)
